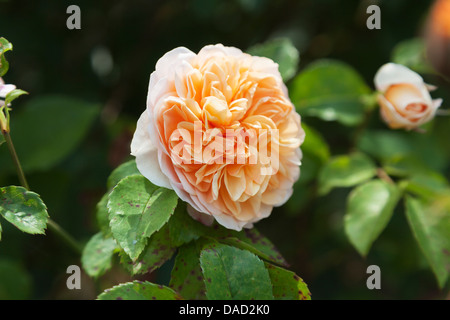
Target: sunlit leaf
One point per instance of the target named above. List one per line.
(137, 209)
(283, 52)
(330, 90)
(370, 207)
(138, 290)
(430, 223)
(24, 209)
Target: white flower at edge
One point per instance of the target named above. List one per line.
(4, 90)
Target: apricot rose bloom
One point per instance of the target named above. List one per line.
(404, 99)
(208, 116)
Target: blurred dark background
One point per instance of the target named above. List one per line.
(109, 62)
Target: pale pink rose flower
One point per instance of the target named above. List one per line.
(404, 98)
(4, 90)
(194, 101)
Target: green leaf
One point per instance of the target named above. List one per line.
(187, 277)
(370, 207)
(183, 228)
(385, 145)
(97, 255)
(137, 209)
(102, 215)
(272, 256)
(47, 130)
(427, 186)
(345, 171)
(332, 91)
(24, 209)
(2, 140)
(283, 52)
(124, 170)
(5, 46)
(250, 239)
(287, 285)
(232, 273)
(315, 145)
(15, 281)
(158, 250)
(412, 54)
(13, 95)
(138, 290)
(430, 224)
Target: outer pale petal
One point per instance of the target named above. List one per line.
(168, 63)
(392, 73)
(146, 153)
(5, 89)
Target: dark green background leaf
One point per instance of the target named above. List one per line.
(47, 130)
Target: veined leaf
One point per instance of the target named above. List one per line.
(369, 209)
(232, 273)
(137, 209)
(138, 290)
(24, 209)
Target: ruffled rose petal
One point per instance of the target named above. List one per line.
(146, 154)
(194, 100)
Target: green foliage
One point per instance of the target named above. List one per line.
(13, 95)
(124, 170)
(97, 255)
(412, 54)
(430, 223)
(158, 250)
(187, 278)
(47, 130)
(315, 144)
(385, 145)
(24, 209)
(283, 52)
(345, 171)
(5, 46)
(137, 209)
(369, 209)
(287, 285)
(330, 90)
(138, 290)
(231, 273)
(15, 282)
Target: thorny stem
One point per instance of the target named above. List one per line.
(60, 232)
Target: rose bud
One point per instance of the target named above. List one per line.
(404, 98)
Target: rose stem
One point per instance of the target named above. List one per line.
(60, 232)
